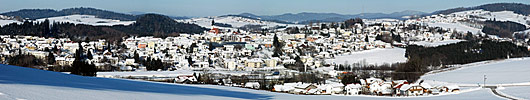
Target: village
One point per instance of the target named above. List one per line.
(291, 59)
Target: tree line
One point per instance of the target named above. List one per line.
(146, 25)
(422, 59)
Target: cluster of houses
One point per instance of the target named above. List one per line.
(230, 50)
(64, 55)
(370, 86)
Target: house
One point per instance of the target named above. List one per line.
(335, 88)
(129, 61)
(201, 65)
(185, 79)
(303, 88)
(286, 87)
(353, 89)
(268, 44)
(398, 85)
(412, 90)
(272, 62)
(126, 68)
(427, 88)
(253, 63)
(449, 88)
(253, 85)
(230, 64)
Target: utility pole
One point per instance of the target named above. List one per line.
(305, 68)
(484, 85)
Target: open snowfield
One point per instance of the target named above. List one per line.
(236, 22)
(459, 27)
(498, 16)
(87, 19)
(485, 15)
(18, 83)
(374, 56)
(5, 22)
(436, 43)
(519, 92)
(508, 71)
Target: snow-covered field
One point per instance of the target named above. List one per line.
(5, 22)
(498, 16)
(436, 43)
(87, 19)
(482, 16)
(236, 22)
(508, 71)
(18, 83)
(458, 26)
(374, 56)
(519, 92)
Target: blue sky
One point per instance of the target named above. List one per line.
(259, 7)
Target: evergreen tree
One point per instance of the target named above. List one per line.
(277, 47)
(469, 36)
(55, 49)
(299, 65)
(190, 61)
(366, 38)
(349, 79)
(397, 38)
(210, 46)
(51, 58)
(80, 66)
(136, 57)
(89, 55)
(46, 28)
(108, 47)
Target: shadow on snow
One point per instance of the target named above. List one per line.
(21, 75)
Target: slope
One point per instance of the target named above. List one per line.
(500, 72)
(26, 83)
(44, 13)
(87, 19)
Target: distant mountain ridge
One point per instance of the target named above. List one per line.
(145, 25)
(518, 8)
(306, 17)
(46, 13)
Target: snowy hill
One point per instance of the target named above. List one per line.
(510, 76)
(87, 19)
(234, 21)
(307, 17)
(435, 43)
(459, 20)
(4, 20)
(18, 83)
(498, 16)
(376, 56)
(498, 72)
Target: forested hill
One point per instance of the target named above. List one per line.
(155, 24)
(518, 8)
(148, 24)
(45, 13)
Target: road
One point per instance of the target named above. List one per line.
(494, 90)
